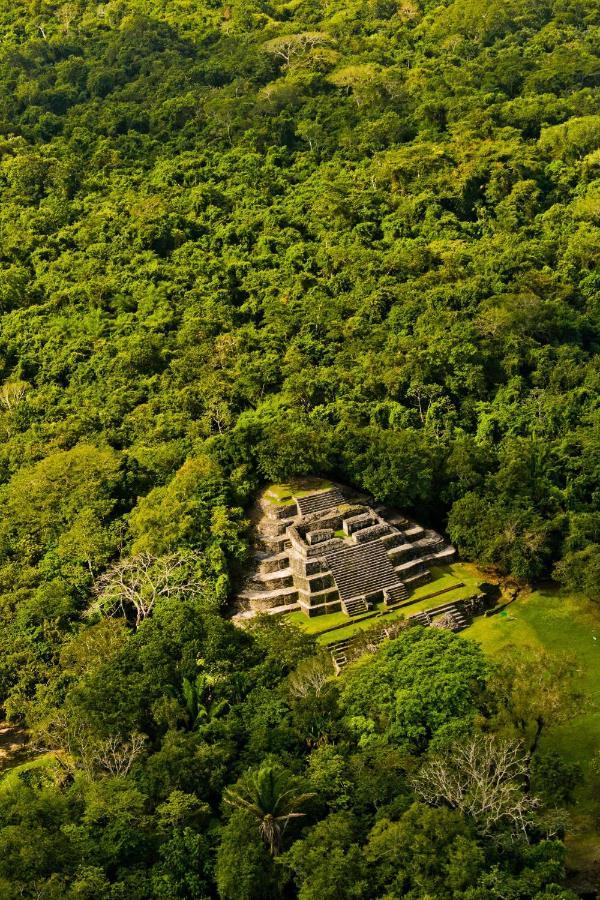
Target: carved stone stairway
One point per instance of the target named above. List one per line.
(452, 611)
(318, 502)
(355, 607)
(395, 595)
(339, 653)
(361, 570)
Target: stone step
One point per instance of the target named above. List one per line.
(278, 511)
(325, 595)
(268, 577)
(339, 645)
(446, 554)
(320, 501)
(393, 539)
(352, 510)
(278, 596)
(274, 527)
(431, 541)
(410, 566)
(355, 607)
(451, 609)
(274, 563)
(275, 543)
(399, 521)
(400, 551)
(396, 594)
(415, 580)
(364, 535)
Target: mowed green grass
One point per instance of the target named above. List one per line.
(560, 623)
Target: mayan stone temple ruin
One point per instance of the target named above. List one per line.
(325, 549)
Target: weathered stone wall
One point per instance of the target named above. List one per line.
(318, 536)
(274, 564)
(303, 566)
(367, 534)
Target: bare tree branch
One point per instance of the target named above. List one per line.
(310, 677)
(287, 46)
(484, 777)
(132, 586)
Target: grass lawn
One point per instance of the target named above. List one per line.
(560, 623)
(316, 624)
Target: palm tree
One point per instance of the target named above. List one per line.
(270, 795)
(200, 703)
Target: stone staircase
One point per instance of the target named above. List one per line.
(420, 618)
(452, 611)
(395, 595)
(339, 653)
(355, 607)
(361, 569)
(318, 502)
(344, 651)
(459, 619)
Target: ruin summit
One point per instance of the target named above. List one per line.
(326, 549)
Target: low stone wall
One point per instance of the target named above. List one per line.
(258, 604)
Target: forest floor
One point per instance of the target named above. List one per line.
(13, 739)
(16, 752)
(560, 623)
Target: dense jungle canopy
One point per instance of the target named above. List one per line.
(241, 241)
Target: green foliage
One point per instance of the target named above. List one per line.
(554, 778)
(329, 862)
(247, 241)
(387, 700)
(580, 571)
(430, 851)
(244, 869)
(273, 799)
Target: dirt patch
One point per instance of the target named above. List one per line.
(14, 741)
